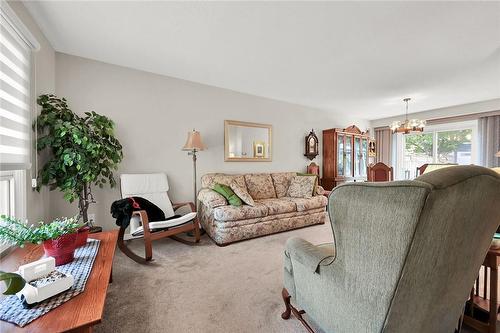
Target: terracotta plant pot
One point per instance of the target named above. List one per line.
(81, 236)
(62, 248)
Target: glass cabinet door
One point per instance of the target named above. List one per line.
(357, 156)
(364, 156)
(340, 155)
(348, 156)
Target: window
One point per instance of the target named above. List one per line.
(15, 97)
(12, 189)
(447, 143)
(16, 106)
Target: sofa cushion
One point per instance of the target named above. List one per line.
(210, 179)
(242, 193)
(233, 213)
(281, 181)
(302, 187)
(260, 185)
(278, 206)
(304, 204)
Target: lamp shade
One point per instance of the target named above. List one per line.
(497, 154)
(193, 141)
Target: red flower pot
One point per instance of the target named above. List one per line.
(61, 248)
(81, 236)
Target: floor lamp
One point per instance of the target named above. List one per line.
(194, 145)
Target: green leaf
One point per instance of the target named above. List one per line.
(14, 282)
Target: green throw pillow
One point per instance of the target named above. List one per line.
(228, 193)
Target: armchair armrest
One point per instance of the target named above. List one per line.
(143, 216)
(311, 256)
(178, 205)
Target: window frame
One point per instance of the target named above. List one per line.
(399, 143)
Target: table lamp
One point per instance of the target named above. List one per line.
(193, 145)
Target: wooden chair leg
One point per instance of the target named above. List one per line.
(123, 247)
(290, 309)
(286, 298)
(197, 230)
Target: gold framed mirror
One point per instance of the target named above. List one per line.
(247, 142)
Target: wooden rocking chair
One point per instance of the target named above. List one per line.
(154, 187)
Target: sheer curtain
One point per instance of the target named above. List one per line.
(383, 145)
(489, 141)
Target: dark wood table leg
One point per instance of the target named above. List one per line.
(493, 298)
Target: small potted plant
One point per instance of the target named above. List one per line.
(58, 237)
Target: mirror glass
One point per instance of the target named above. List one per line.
(247, 141)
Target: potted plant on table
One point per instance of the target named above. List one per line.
(58, 237)
(83, 152)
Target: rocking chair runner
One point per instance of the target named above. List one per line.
(154, 187)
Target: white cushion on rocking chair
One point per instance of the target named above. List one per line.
(136, 228)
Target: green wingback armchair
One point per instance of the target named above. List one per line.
(405, 254)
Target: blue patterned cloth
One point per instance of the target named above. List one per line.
(11, 308)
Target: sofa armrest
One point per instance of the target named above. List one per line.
(320, 190)
(211, 199)
(309, 255)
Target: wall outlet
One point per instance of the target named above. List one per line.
(91, 219)
(33, 183)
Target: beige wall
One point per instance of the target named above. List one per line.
(38, 203)
(153, 114)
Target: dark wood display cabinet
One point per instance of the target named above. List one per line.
(345, 156)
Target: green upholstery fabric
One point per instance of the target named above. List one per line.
(406, 253)
(311, 255)
(228, 193)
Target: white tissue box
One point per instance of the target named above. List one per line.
(42, 281)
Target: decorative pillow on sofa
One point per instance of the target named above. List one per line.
(311, 175)
(242, 193)
(260, 186)
(281, 182)
(302, 187)
(227, 193)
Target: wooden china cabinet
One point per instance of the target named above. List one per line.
(345, 156)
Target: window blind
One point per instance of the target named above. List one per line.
(15, 98)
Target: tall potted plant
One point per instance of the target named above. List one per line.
(83, 151)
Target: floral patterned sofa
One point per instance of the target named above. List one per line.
(273, 211)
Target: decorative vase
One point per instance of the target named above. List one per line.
(61, 248)
(81, 236)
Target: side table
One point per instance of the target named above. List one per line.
(479, 295)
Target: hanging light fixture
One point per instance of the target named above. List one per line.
(409, 125)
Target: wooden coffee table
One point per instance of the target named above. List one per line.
(80, 313)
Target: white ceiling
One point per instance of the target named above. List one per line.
(355, 57)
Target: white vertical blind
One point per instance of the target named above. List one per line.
(15, 98)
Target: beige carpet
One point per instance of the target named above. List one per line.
(204, 288)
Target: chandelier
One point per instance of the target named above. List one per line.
(409, 125)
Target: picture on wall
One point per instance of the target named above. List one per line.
(259, 149)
